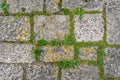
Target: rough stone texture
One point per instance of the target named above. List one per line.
(89, 6)
(113, 22)
(89, 28)
(13, 29)
(52, 27)
(83, 72)
(52, 6)
(42, 72)
(112, 63)
(11, 72)
(29, 5)
(54, 54)
(89, 53)
(16, 53)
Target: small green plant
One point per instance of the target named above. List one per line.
(68, 64)
(41, 42)
(37, 54)
(55, 43)
(5, 7)
(80, 12)
(69, 39)
(66, 11)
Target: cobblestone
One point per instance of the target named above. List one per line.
(26, 6)
(11, 72)
(87, 4)
(113, 22)
(49, 40)
(55, 54)
(52, 6)
(13, 29)
(89, 53)
(111, 63)
(82, 72)
(42, 72)
(53, 27)
(16, 53)
(89, 29)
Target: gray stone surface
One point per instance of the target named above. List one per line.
(89, 28)
(52, 6)
(42, 72)
(52, 27)
(16, 53)
(14, 29)
(88, 53)
(55, 54)
(82, 72)
(29, 5)
(113, 22)
(112, 62)
(89, 6)
(11, 72)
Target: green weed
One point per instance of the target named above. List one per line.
(5, 7)
(41, 43)
(80, 12)
(68, 64)
(37, 54)
(69, 39)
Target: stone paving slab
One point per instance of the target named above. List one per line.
(88, 53)
(53, 27)
(55, 54)
(52, 6)
(113, 22)
(16, 53)
(89, 28)
(88, 5)
(14, 29)
(42, 72)
(112, 63)
(26, 6)
(11, 72)
(82, 72)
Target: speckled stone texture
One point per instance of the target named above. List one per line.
(14, 29)
(88, 5)
(82, 72)
(11, 72)
(113, 22)
(52, 6)
(112, 63)
(89, 28)
(26, 6)
(53, 27)
(56, 54)
(42, 72)
(88, 53)
(16, 53)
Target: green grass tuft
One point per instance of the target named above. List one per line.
(69, 39)
(41, 43)
(5, 7)
(37, 54)
(66, 11)
(80, 12)
(68, 64)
